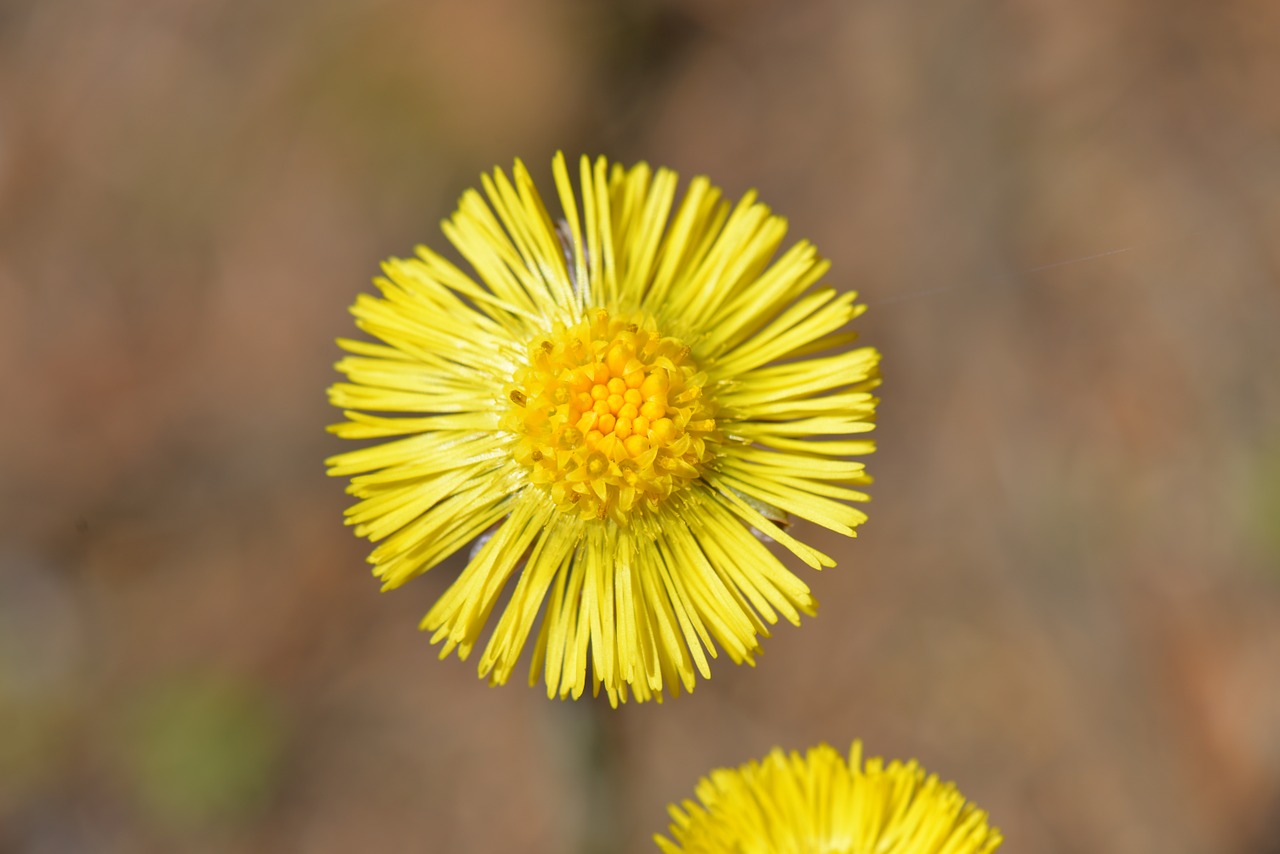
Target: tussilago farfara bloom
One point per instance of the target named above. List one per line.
(793, 804)
(628, 396)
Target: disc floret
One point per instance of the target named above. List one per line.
(610, 416)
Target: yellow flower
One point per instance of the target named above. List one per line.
(793, 804)
(632, 397)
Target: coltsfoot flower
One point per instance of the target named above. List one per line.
(632, 399)
(794, 804)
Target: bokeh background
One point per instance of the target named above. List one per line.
(1067, 598)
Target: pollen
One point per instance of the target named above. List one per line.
(609, 417)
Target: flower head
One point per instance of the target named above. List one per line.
(793, 804)
(631, 399)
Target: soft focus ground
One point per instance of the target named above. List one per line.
(1067, 598)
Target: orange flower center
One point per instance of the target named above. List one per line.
(610, 417)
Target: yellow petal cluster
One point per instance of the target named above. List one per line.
(621, 405)
(790, 803)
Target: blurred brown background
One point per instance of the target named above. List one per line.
(1068, 596)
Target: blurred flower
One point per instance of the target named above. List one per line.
(817, 802)
(630, 401)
